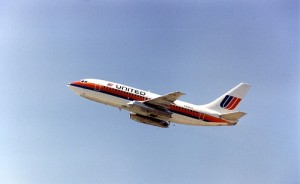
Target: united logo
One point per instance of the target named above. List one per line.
(230, 102)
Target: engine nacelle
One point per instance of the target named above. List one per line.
(146, 111)
(149, 120)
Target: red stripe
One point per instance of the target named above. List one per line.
(197, 115)
(231, 103)
(235, 104)
(122, 93)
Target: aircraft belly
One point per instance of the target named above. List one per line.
(104, 98)
(177, 118)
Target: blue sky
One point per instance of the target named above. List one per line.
(202, 48)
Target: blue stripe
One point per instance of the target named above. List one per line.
(224, 100)
(228, 101)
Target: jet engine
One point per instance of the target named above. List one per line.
(145, 110)
(149, 120)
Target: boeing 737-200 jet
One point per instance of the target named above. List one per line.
(153, 109)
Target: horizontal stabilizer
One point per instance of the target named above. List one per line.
(234, 116)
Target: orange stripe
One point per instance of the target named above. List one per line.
(235, 104)
(197, 114)
(231, 103)
(122, 93)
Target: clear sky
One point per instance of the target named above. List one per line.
(202, 48)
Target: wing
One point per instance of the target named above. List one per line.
(165, 100)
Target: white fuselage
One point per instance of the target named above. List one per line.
(122, 96)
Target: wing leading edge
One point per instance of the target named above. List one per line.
(165, 100)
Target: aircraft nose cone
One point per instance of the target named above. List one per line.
(70, 84)
(76, 87)
(73, 83)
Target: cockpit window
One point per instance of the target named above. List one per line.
(83, 81)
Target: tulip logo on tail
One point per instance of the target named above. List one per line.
(230, 102)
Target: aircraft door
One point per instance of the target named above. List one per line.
(201, 116)
(97, 87)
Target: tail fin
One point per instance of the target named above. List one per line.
(228, 102)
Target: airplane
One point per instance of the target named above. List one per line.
(160, 110)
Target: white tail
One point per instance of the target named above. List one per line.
(227, 103)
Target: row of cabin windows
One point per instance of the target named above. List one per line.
(126, 92)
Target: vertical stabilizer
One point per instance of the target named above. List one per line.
(228, 102)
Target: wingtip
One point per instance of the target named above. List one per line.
(245, 83)
(180, 93)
